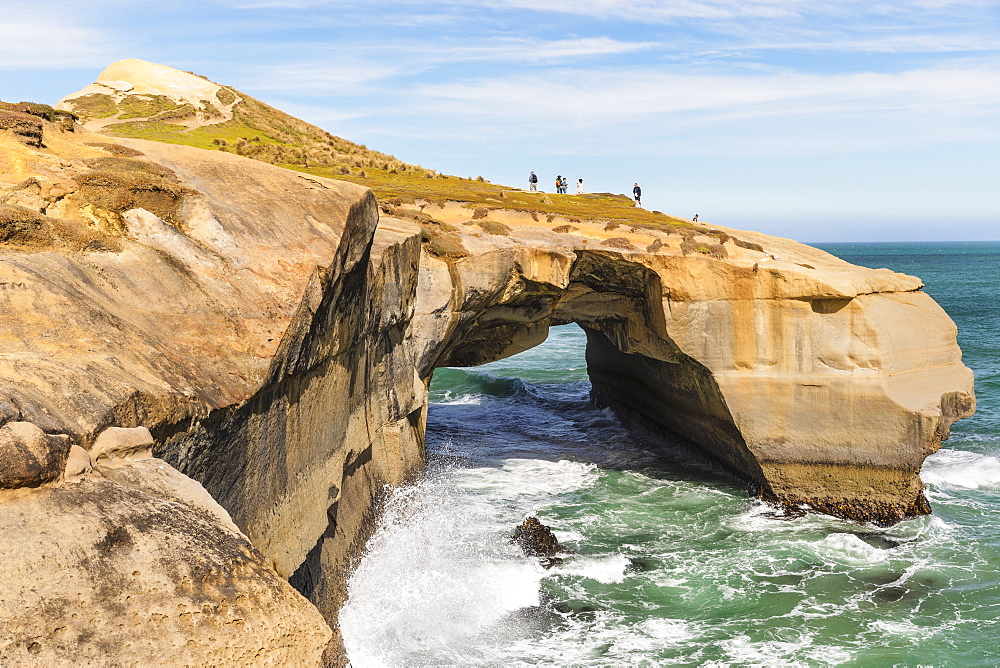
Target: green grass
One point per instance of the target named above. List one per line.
(201, 137)
(168, 133)
(95, 105)
(143, 106)
(478, 194)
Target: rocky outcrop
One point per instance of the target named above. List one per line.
(135, 564)
(269, 340)
(537, 540)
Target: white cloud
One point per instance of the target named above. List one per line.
(529, 50)
(898, 44)
(778, 113)
(632, 93)
(645, 11)
(45, 42)
(352, 69)
(325, 75)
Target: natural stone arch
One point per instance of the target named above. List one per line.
(616, 303)
(812, 395)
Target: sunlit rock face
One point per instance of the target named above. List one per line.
(250, 320)
(821, 383)
(274, 339)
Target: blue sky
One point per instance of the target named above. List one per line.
(817, 120)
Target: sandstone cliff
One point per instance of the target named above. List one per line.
(270, 339)
(245, 328)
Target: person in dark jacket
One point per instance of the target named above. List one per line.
(637, 191)
(532, 181)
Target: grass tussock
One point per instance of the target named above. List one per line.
(25, 119)
(749, 245)
(95, 105)
(448, 246)
(146, 106)
(131, 165)
(495, 228)
(618, 242)
(26, 127)
(691, 247)
(226, 96)
(117, 150)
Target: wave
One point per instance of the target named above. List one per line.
(458, 386)
(607, 570)
(958, 468)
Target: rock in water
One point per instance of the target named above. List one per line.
(536, 539)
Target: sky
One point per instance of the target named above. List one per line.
(819, 120)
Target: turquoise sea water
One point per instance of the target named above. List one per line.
(672, 564)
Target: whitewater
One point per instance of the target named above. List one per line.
(669, 560)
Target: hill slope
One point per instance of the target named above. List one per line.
(139, 99)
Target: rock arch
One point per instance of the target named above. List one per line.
(812, 390)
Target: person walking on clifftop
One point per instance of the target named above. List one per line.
(637, 191)
(579, 187)
(532, 182)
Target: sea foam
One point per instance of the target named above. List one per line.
(957, 468)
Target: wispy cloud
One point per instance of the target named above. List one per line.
(534, 50)
(632, 93)
(33, 40)
(675, 10)
(330, 75)
(352, 69)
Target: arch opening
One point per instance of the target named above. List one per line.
(634, 367)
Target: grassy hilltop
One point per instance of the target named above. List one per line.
(138, 99)
(233, 121)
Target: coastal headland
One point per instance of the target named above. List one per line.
(214, 366)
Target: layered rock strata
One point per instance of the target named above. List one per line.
(275, 338)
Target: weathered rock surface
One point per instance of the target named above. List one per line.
(29, 457)
(273, 339)
(137, 565)
(251, 335)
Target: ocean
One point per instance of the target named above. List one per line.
(673, 563)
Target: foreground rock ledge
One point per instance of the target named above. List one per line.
(276, 339)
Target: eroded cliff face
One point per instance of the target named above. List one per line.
(269, 339)
(252, 321)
